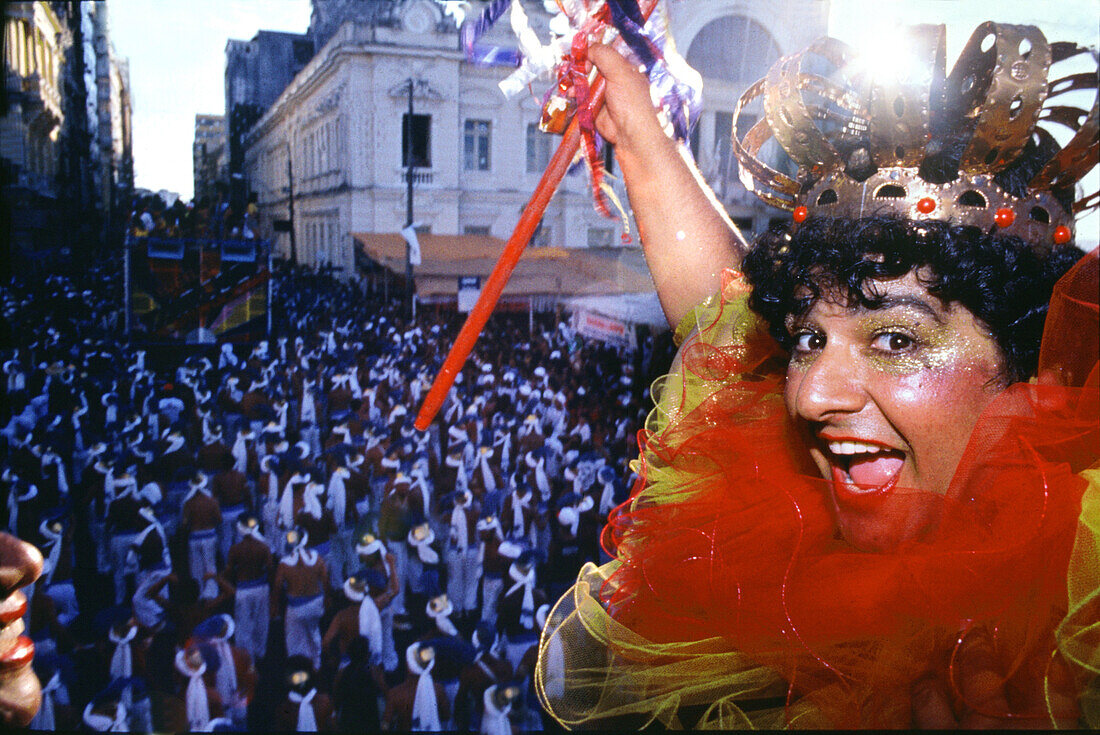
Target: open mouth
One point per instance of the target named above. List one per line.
(863, 469)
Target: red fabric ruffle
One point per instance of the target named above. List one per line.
(743, 544)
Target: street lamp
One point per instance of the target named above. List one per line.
(409, 202)
(290, 203)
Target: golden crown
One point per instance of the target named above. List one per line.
(899, 135)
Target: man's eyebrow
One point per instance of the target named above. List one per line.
(901, 301)
(791, 321)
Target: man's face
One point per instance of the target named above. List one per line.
(887, 399)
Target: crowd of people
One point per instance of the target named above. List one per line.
(218, 218)
(254, 536)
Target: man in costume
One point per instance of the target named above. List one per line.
(301, 581)
(235, 678)
(305, 709)
(881, 535)
(463, 568)
(374, 556)
(419, 703)
(249, 568)
(364, 590)
(200, 518)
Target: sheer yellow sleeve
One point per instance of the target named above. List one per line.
(594, 672)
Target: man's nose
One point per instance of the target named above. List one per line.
(828, 386)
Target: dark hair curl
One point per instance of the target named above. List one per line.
(999, 279)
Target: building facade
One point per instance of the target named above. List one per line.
(733, 44)
(114, 176)
(337, 143)
(256, 73)
(65, 128)
(208, 154)
(30, 125)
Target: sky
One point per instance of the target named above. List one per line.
(176, 50)
(177, 58)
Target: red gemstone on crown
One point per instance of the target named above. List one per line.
(800, 213)
(1062, 235)
(925, 205)
(1004, 217)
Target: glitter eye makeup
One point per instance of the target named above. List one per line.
(900, 346)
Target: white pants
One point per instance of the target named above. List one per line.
(389, 652)
(341, 558)
(99, 538)
(491, 588)
(146, 610)
(463, 572)
(201, 548)
(120, 546)
(312, 436)
(251, 613)
(303, 627)
(230, 514)
(400, 551)
(414, 573)
(269, 517)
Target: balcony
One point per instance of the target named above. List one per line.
(39, 96)
(421, 177)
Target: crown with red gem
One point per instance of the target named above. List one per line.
(900, 136)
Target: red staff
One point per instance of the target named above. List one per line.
(513, 249)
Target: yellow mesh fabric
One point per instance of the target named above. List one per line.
(594, 672)
(1078, 636)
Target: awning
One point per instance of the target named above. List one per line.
(555, 272)
(635, 308)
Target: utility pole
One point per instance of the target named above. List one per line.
(409, 202)
(290, 203)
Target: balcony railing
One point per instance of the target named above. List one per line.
(421, 177)
(41, 92)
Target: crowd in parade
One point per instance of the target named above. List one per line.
(254, 536)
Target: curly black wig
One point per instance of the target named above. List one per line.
(1001, 280)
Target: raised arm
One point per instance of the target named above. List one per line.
(687, 237)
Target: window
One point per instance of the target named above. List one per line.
(600, 237)
(475, 145)
(418, 140)
(723, 125)
(475, 230)
(542, 236)
(733, 48)
(303, 51)
(538, 149)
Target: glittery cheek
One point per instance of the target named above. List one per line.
(799, 362)
(954, 374)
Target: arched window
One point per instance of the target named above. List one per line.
(733, 48)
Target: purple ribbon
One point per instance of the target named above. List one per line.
(474, 29)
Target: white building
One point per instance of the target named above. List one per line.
(32, 114)
(335, 133)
